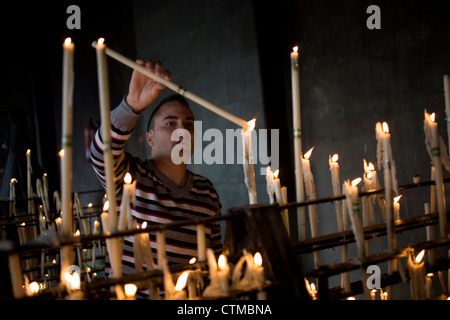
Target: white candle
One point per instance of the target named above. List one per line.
(258, 270)
(447, 105)
(431, 126)
(174, 87)
(66, 161)
(311, 194)
(370, 169)
(201, 242)
(336, 185)
(397, 207)
(223, 274)
(128, 196)
(180, 293)
(429, 285)
(269, 184)
(12, 197)
(384, 152)
(15, 271)
(249, 170)
(103, 87)
(354, 211)
(416, 268)
(29, 185)
(296, 119)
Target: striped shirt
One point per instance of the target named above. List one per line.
(158, 199)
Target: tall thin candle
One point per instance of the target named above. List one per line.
(66, 164)
(298, 153)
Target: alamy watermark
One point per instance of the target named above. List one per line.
(215, 147)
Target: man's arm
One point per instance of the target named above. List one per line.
(142, 92)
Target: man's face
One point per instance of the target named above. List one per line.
(170, 117)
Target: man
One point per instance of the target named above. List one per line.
(165, 191)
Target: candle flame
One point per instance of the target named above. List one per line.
(356, 181)
(251, 125)
(397, 199)
(419, 257)
(335, 158)
(144, 225)
(68, 41)
(222, 262)
(295, 49)
(77, 234)
(312, 286)
(61, 153)
(130, 290)
(385, 127)
(429, 275)
(58, 220)
(369, 175)
(193, 260)
(257, 259)
(276, 173)
(13, 180)
(34, 287)
(96, 223)
(374, 290)
(28, 152)
(127, 178)
(351, 298)
(106, 206)
(308, 154)
(371, 166)
(90, 205)
(433, 116)
(100, 41)
(181, 282)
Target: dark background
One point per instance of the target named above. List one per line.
(236, 55)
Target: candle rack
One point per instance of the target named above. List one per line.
(253, 228)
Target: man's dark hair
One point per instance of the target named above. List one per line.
(173, 97)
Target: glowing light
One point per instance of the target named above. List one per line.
(68, 41)
(276, 173)
(251, 125)
(193, 260)
(335, 158)
(101, 41)
(144, 225)
(433, 116)
(385, 127)
(181, 282)
(61, 153)
(106, 206)
(371, 166)
(222, 262)
(419, 257)
(308, 154)
(258, 259)
(34, 287)
(127, 178)
(130, 290)
(295, 49)
(356, 181)
(397, 199)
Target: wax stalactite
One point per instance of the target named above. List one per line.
(249, 171)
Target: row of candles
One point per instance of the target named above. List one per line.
(303, 173)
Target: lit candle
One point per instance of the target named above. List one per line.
(46, 199)
(130, 291)
(12, 197)
(29, 186)
(103, 88)
(269, 184)
(416, 268)
(128, 197)
(249, 170)
(311, 194)
(397, 207)
(370, 169)
(94, 243)
(296, 119)
(373, 294)
(384, 153)
(429, 285)
(432, 141)
(180, 293)
(223, 273)
(113, 249)
(66, 159)
(336, 185)
(259, 277)
(354, 212)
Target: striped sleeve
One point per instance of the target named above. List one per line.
(123, 121)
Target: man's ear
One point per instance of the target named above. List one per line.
(150, 137)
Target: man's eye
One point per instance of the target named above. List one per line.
(189, 125)
(170, 124)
